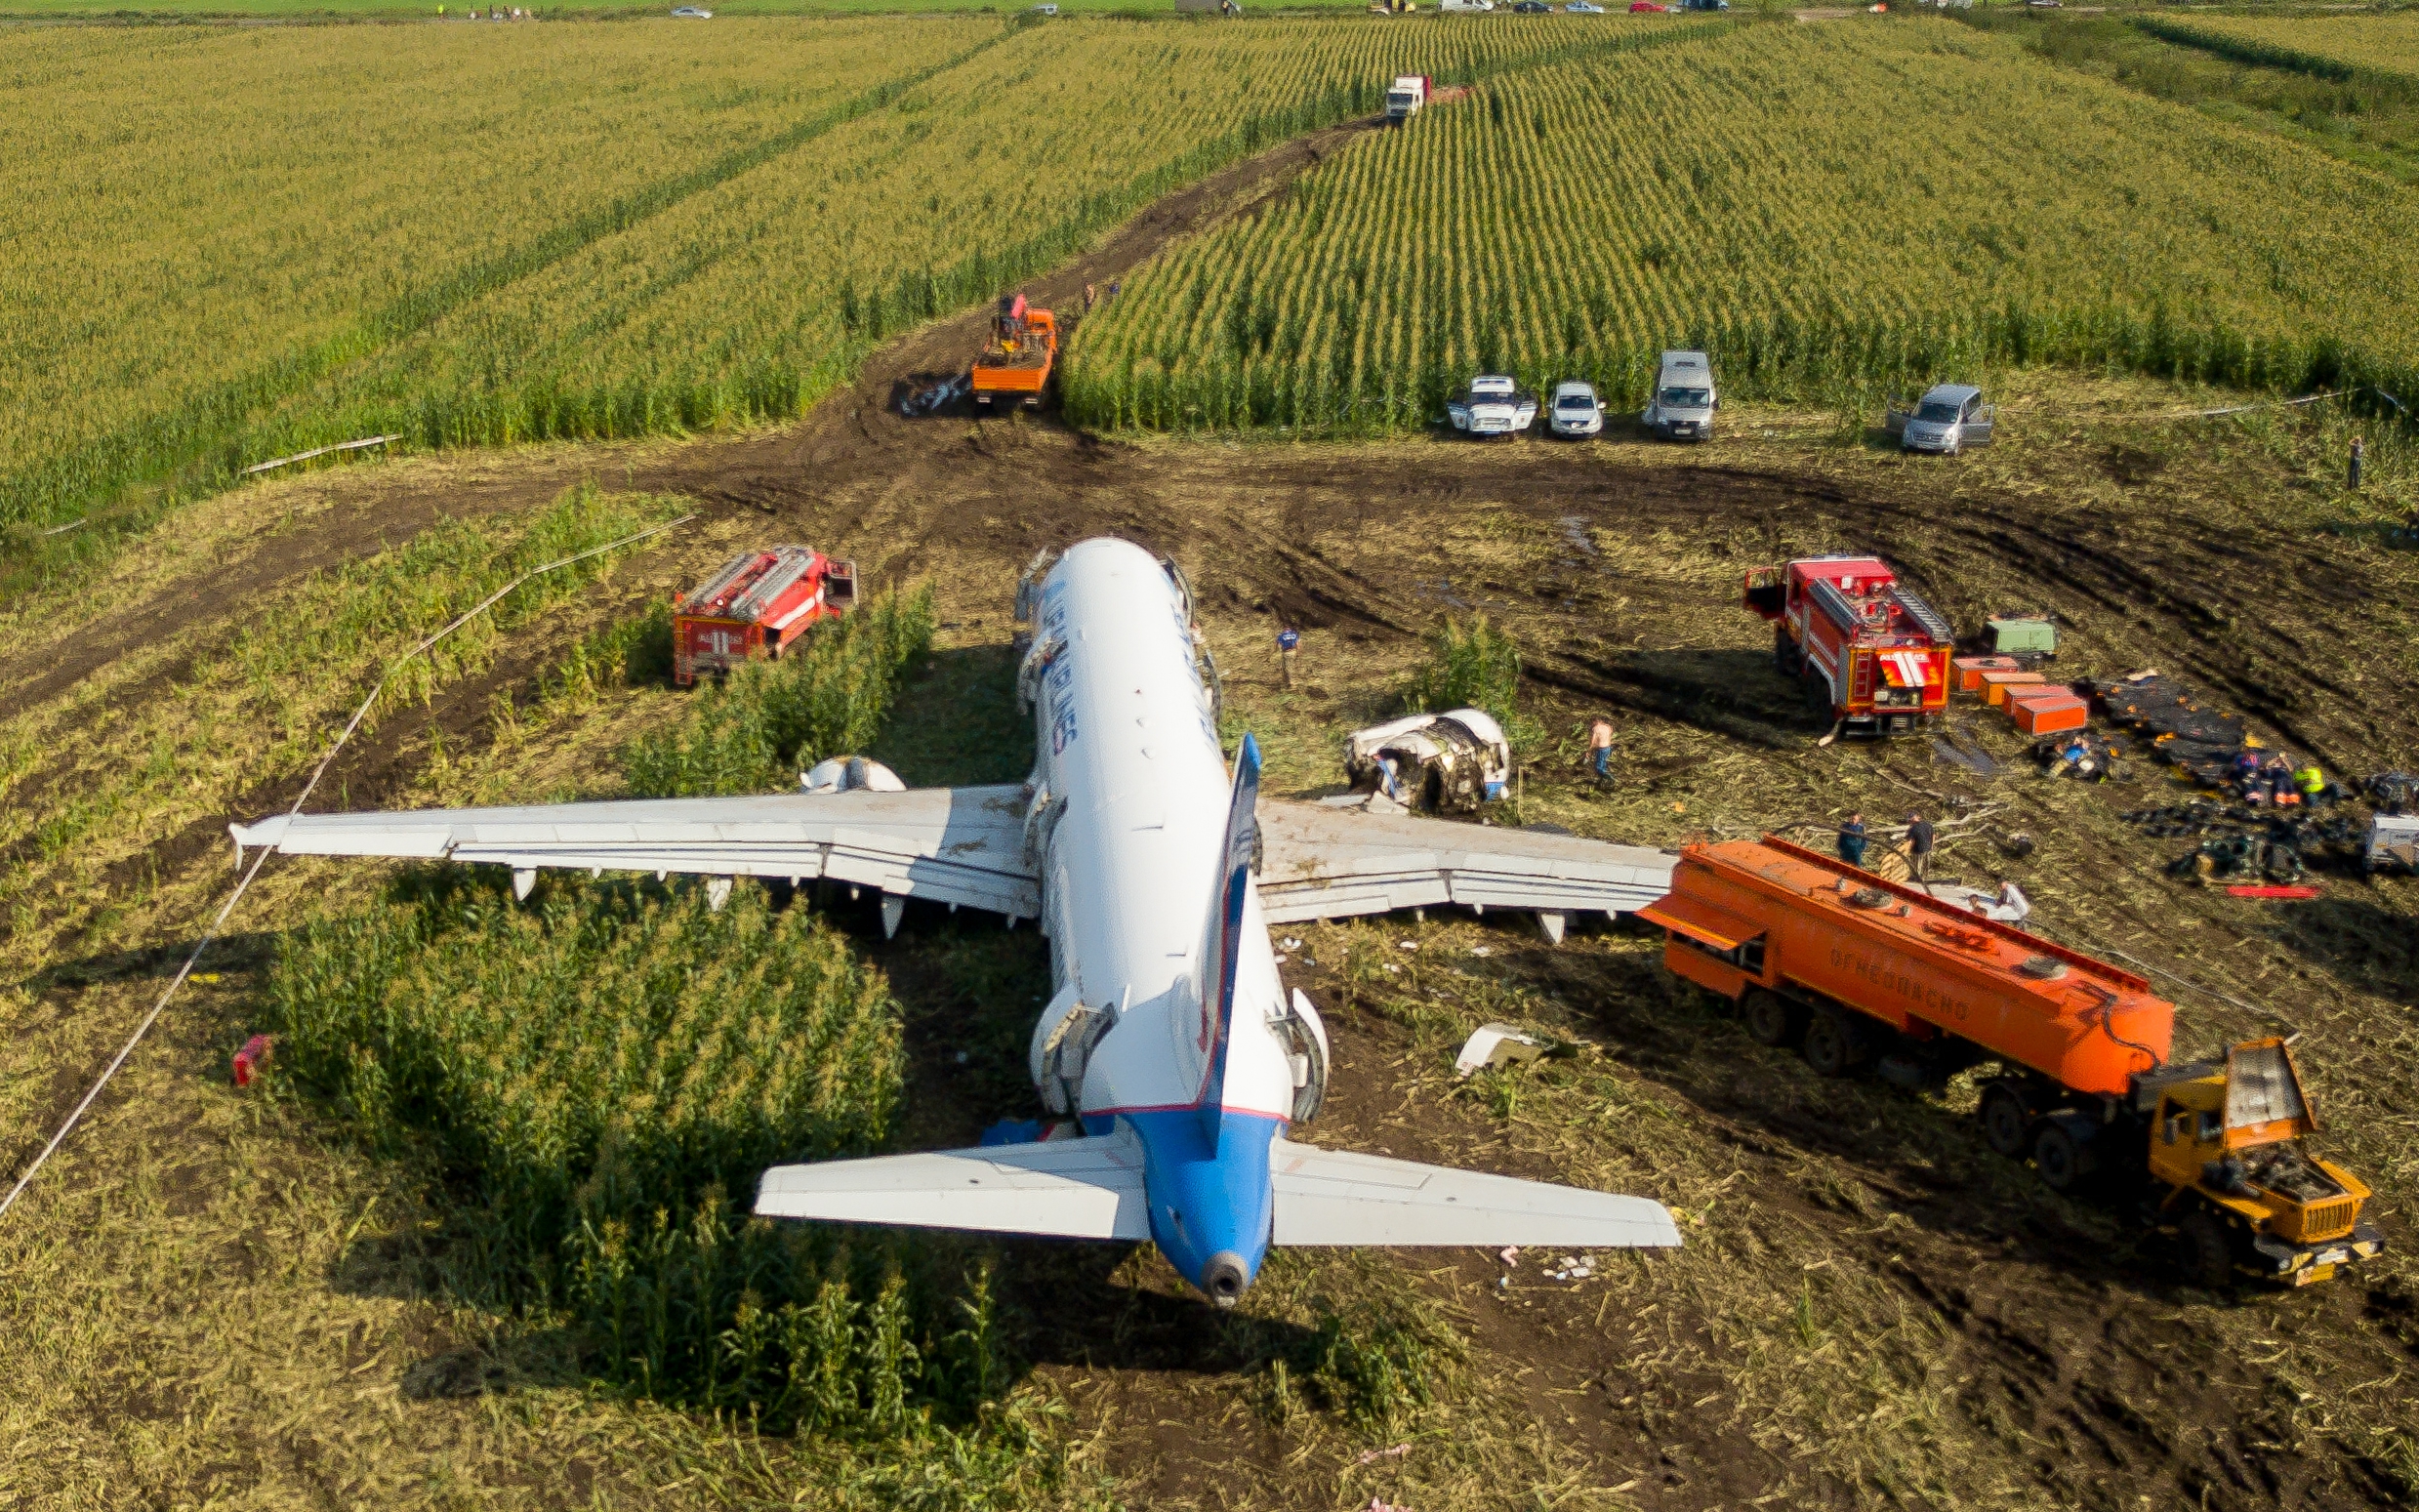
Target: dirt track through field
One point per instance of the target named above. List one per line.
(2076, 1361)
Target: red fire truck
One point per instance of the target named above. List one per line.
(1869, 651)
(757, 604)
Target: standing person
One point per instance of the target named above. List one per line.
(2360, 454)
(1918, 846)
(2278, 774)
(1600, 748)
(1289, 641)
(2311, 781)
(1092, 296)
(1852, 840)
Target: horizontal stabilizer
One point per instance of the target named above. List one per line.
(1336, 1196)
(1069, 1188)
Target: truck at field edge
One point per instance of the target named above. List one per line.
(1014, 364)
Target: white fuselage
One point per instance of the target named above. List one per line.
(1131, 808)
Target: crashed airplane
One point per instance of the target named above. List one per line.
(1172, 1058)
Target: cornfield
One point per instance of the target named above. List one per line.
(285, 237)
(1768, 196)
(2336, 47)
(603, 1074)
(827, 696)
(210, 220)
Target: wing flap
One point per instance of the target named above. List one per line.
(1339, 1197)
(1069, 1189)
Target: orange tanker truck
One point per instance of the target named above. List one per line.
(1849, 970)
(1014, 366)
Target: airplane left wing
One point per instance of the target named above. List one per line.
(954, 845)
(1320, 863)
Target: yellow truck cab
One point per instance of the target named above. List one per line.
(2243, 1192)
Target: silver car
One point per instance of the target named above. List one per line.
(1948, 420)
(1576, 411)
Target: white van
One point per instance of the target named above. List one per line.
(1948, 420)
(1683, 405)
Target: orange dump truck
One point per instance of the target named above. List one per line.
(1015, 367)
(1852, 971)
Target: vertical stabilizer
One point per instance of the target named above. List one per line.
(1225, 941)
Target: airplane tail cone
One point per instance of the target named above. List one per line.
(1225, 1278)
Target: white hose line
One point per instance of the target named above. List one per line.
(228, 907)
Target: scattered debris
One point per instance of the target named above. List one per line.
(936, 398)
(1501, 1045)
(1289, 944)
(1372, 1456)
(1482, 949)
(1441, 762)
(1574, 1267)
(1510, 1254)
(2084, 755)
(2242, 890)
(254, 1058)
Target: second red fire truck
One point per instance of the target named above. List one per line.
(1868, 650)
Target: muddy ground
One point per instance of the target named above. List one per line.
(1836, 1231)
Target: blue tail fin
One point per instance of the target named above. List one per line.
(1225, 942)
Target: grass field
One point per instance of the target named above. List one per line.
(475, 1240)
(285, 1299)
(764, 200)
(2042, 216)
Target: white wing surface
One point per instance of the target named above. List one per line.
(1336, 1196)
(1071, 1187)
(1322, 862)
(955, 845)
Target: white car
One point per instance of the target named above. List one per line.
(1582, 8)
(1494, 406)
(693, 13)
(1576, 411)
(1465, 5)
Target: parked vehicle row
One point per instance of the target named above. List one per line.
(1542, 8)
(1681, 407)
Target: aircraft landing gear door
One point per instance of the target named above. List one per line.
(1305, 1044)
(1063, 1040)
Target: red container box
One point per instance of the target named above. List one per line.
(1996, 684)
(1969, 670)
(2046, 711)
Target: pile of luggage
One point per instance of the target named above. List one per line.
(2181, 731)
(2237, 840)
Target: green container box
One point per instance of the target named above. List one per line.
(2010, 635)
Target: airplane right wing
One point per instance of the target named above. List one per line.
(1321, 863)
(1338, 1197)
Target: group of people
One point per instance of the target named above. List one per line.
(2274, 780)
